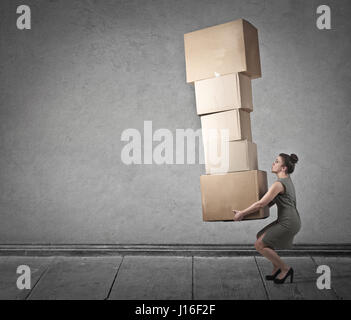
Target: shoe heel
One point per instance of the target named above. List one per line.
(291, 277)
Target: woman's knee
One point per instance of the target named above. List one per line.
(259, 245)
(259, 234)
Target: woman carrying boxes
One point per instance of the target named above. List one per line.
(280, 233)
(221, 61)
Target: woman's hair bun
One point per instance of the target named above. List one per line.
(294, 158)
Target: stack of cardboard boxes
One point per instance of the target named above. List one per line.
(221, 61)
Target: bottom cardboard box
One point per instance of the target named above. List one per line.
(222, 193)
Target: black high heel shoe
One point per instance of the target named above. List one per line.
(289, 273)
(272, 277)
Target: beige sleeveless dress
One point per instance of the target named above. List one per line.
(280, 233)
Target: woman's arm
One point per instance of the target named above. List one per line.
(276, 188)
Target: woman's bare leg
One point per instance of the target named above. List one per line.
(272, 256)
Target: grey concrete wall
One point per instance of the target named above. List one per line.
(87, 70)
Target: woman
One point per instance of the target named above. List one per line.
(280, 233)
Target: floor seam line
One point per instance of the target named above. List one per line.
(192, 277)
(264, 283)
(40, 277)
(114, 280)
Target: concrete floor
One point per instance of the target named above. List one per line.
(170, 278)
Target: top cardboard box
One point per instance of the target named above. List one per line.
(222, 49)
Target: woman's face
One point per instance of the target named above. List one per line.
(278, 165)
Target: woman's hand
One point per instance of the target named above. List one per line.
(238, 215)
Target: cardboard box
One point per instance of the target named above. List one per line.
(222, 49)
(222, 193)
(231, 91)
(236, 121)
(229, 156)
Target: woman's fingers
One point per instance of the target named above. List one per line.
(236, 215)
